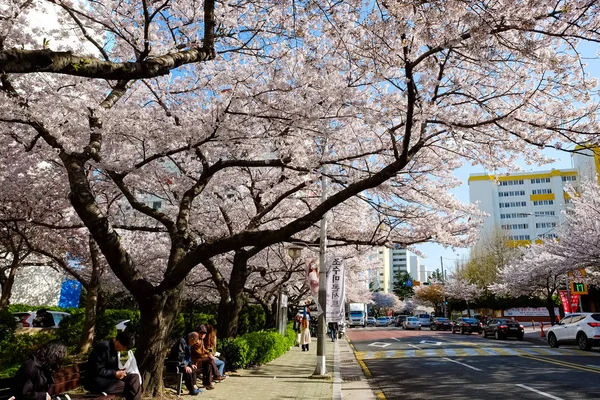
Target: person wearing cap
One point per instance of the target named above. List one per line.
(181, 357)
(203, 358)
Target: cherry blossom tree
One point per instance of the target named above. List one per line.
(181, 101)
(459, 288)
(537, 273)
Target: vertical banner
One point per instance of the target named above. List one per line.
(335, 290)
(564, 299)
(574, 302)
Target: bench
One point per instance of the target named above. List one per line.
(65, 379)
(172, 368)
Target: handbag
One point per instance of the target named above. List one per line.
(130, 365)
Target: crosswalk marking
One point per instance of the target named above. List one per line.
(467, 352)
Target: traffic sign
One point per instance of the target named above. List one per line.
(409, 283)
(579, 288)
(416, 283)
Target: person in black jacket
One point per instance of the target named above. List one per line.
(181, 357)
(103, 373)
(34, 378)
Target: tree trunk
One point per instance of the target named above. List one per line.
(8, 283)
(89, 325)
(230, 308)
(550, 307)
(157, 317)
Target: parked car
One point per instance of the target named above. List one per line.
(466, 325)
(440, 324)
(400, 319)
(582, 329)
(381, 321)
(371, 321)
(412, 323)
(35, 319)
(502, 328)
(424, 319)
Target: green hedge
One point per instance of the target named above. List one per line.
(15, 350)
(256, 348)
(7, 325)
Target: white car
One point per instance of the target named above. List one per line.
(412, 323)
(30, 319)
(582, 329)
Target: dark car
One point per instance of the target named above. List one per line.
(440, 324)
(502, 328)
(400, 319)
(466, 325)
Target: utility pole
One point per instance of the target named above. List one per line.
(443, 282)
(321, 368)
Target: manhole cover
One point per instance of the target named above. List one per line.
(351, 378)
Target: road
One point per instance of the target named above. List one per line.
(441, 365)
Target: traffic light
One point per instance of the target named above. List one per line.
(578, 288)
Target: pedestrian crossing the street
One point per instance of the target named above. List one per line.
(469, 352)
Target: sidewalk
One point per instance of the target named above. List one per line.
(287, 377)
(533, 334)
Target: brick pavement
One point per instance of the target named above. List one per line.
(287, 377)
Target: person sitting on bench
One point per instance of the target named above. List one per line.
(103, 374)
(182, 354)
(34, 378)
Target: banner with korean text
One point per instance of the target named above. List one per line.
(336, 290)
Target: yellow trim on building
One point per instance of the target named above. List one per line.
(554, 172)
(520, 243)
(537, 197)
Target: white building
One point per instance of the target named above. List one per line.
(527, 206)
(394, 260)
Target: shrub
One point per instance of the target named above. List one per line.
(70, 328)
(251, 319)
(194, 320)
(105, 328)
(17, 349)
(24, 307)
(235, 352)
(7, 324)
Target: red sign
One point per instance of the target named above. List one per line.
(569, 306)
(564, 298)
(574, 302)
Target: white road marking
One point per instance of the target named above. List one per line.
(415, 347)
(551, 396)
(396, 339)
(430, 353)
(549, 351)
(410, 353)
(471, 352)
(450, 352)
(490, 351)
(390, 353)
(463, 364)
(380, 344)
(430, 342)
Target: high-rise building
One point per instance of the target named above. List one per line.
(394, 260)
(527, 206)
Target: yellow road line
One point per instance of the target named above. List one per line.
(563, 363)
(380, 395)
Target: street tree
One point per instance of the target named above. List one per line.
(432, 295)
(401, 287)
(175, 100)
(459, 288)
(385, 302)
(436, 276)
(537, 273)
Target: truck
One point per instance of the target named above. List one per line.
(357, 315)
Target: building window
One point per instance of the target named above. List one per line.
(512, 193)
(546, 225)
(540, 180)
(541, 191)
(569, 178)
(515, 226)
(548, 236)
(543, 213)
(511, 183)
(520, 237)
(543, 202)
(513, 204)
(513, 215)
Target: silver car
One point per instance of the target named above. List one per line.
(412, 323)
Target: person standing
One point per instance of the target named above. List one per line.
(103, 374)
(34, 377)
(298, 328)
(181, 353)
(305, 335)
(333, 330)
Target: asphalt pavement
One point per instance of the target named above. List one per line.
(400, 364)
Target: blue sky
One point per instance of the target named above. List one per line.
(562, 161)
